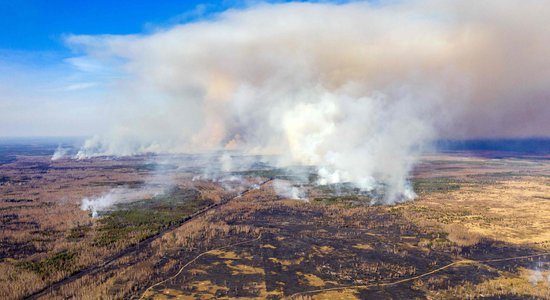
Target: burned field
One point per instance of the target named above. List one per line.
(478, 227)
(313, 250)
(306, 247)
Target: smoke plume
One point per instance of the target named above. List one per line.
(117, 196)
(285, 189)
(355, 89)
(60, 153)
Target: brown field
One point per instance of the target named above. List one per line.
(479, 228)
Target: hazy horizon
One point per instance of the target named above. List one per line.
(359, 89)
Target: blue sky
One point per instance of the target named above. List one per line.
(39, 25)
(45, 87)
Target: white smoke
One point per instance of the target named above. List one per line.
(60, 153)
(356, 89)
(226, 162)
(96, 204)
(535, 276)
(366, 141)
(117, 196)
(285, 189)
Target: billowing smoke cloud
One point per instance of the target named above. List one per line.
(355, 89)
(118, 196)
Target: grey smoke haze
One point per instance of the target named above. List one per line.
(355, 89)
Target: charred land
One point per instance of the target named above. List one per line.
(479, 226)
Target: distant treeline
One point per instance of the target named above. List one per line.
(52, 142)
(10, 147)
(533, 146)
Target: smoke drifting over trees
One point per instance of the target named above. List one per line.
(355, 89)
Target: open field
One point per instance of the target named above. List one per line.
(480, 227)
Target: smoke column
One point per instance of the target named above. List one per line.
(357, 90)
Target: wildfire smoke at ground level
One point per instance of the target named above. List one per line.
(356, 89)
